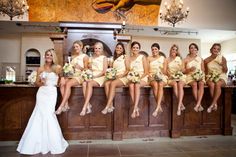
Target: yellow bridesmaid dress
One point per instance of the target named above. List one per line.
(119, 65)
(137, 65)
(215, 66)
(80, 61)
(173, 67)
(156, 66)
(97, 67)
(196, 62)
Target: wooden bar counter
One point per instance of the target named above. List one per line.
(17, 103)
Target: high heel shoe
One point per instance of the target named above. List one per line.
(59, 110)
(83, 112)
(110, 109)
(182, 107)
(135, 113)
(105, 110)
(196, 108)
(200, 108)
(89, 109)
(212, 107)
(157, 111)
(178, 112)
(66, 108)
(215, 107)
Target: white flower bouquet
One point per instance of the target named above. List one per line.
(177, 75)
(198, 75)
(213, 76)
(158, 76)
(134, 77)
(87, 75)
(110, 74)
(68, 70)
(32, 77)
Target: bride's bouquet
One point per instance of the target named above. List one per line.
(110, 74)
(68, 70)
(87, 75)
(213, 76)
(134, 77)
(32, 77)
(198, 75)
(177, 75)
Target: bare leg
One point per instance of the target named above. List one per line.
(84, 85)
(70, 83)
(217, 93)
(211, 86)
(109, 107)
(180, 97)
(136, 98)
(154, 86)
(107, 87)
(194, 89)
(63, 82)
(131, 91)
(200, 95)
(159, 98)
(89, 91)
(175, 88)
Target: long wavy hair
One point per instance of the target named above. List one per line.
(123, 53)
(177, 47)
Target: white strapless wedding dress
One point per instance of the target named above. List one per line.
(43, 133)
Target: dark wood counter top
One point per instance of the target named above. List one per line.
(18, 101)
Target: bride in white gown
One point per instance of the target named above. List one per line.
(43, 133)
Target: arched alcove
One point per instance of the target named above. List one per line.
(32, 61)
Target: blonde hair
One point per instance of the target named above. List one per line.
(101, 45)
(174, 45)
(80, 43)
(54, 56)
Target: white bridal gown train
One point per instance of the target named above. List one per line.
(43, 133)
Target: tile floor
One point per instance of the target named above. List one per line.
(197, 146)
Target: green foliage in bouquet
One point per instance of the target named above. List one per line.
(110, 74)
(213, 76)
(198, 75)
(87, 75)
(133, 76)
(177, 75)
(68, 70)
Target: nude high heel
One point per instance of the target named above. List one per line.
(105, 110)
(59, 110)
(89, 109)
(83, 112)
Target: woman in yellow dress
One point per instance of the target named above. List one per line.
(79, 63)
(157, 76)
(120, 64)
(138, 64)
(99, 67)
(195, 77)
(216, 69)
(176, 78)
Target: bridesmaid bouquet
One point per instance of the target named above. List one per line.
(32, 77)
(177, 75)
(133, 76)
(198, 75)
(68, 70)
(110, 74)
(213, 76)
(87, 75)
(158, 76)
